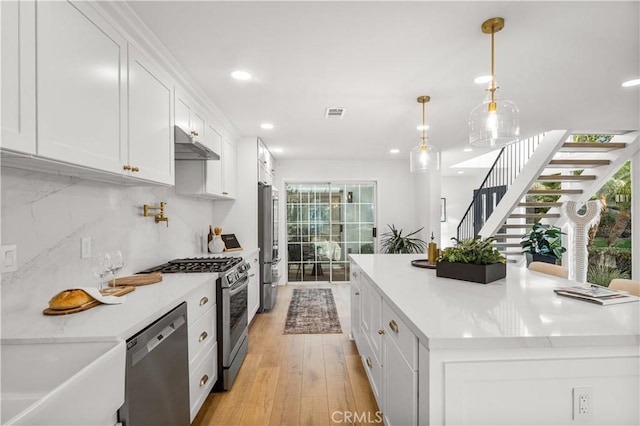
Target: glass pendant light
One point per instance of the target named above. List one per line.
(424, 157)
(495, 122)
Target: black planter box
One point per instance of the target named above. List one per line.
(535, 257)
(469, 272)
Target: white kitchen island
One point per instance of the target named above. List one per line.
(443, 351)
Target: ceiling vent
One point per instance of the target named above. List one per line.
(335, 113)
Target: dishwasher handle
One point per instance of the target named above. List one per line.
(157, 339)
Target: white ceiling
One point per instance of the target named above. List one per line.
(561, 62)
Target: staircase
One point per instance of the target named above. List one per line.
(531, 179)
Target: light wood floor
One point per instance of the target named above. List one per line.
(295, 379)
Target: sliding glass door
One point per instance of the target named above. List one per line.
(325, 223)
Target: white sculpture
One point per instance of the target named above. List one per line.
(581, 224)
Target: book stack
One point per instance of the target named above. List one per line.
(596, 294)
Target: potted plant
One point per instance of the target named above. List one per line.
(394, 242)
(475, 260)
(543, 244)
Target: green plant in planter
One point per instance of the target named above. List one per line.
(475, 250)
(394, 242)
(543, 241)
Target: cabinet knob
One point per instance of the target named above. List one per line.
(393, 325)
(126, 167)
(381, 331)
(135, 169)
(204, 300)
(203, 336)
(369, 363)
(194, 133)
(204, 380)
(225, 193)
(357, 293)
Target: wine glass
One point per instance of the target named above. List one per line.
(116, 262)
(100, 267)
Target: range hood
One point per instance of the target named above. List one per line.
(188, 147)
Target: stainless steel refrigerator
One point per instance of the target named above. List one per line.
(268, 243)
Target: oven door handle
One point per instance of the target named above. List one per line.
(239, 287)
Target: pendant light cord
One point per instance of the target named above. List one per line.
(424, 130)
(492, 105)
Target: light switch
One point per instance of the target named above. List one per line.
(9, 258)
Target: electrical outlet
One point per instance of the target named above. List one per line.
(85, 248)
(582, 403)
(9, 258)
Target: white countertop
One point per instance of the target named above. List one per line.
(520, 310)
(104, 322)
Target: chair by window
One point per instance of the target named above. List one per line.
(632, 287)
(548, 268)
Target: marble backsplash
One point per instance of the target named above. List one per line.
(46, 216)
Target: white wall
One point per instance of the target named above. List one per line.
(458, 191)
(395, 185)
(46, 215)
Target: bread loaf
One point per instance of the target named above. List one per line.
(69, 299)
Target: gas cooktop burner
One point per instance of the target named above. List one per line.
(196, 264)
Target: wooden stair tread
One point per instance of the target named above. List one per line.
(506, 236)
(518, 226)
(496, 244)
(554, 191)
(591, 147)
(571, 163)
(540, 204)
(537, 215)
(568, 178)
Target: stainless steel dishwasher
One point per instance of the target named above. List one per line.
(157, 373)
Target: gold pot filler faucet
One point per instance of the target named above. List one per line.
(160, 217)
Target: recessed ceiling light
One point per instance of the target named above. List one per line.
(426, 127)
(277, 150)
(241, 75)
(631, 83)
(266, 126)
(394, 151)
(460, 172)
(468, 149)
(482, 79)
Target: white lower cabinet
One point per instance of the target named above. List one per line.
(201, 333)
(202, 377)
(389, 352)
(356, 305)
(253, 296)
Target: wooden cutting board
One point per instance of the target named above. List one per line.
(139, 279)
(113, 291)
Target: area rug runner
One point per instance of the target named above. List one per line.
(312, 311)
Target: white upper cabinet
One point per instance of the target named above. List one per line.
(151, 154)
(229, 154)
(18, 76)
(214, 179)
(81, 81)
(266, 167)
(214, 168)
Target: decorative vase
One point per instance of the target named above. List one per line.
(216, 245)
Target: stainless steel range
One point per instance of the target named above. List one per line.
(232, 312)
